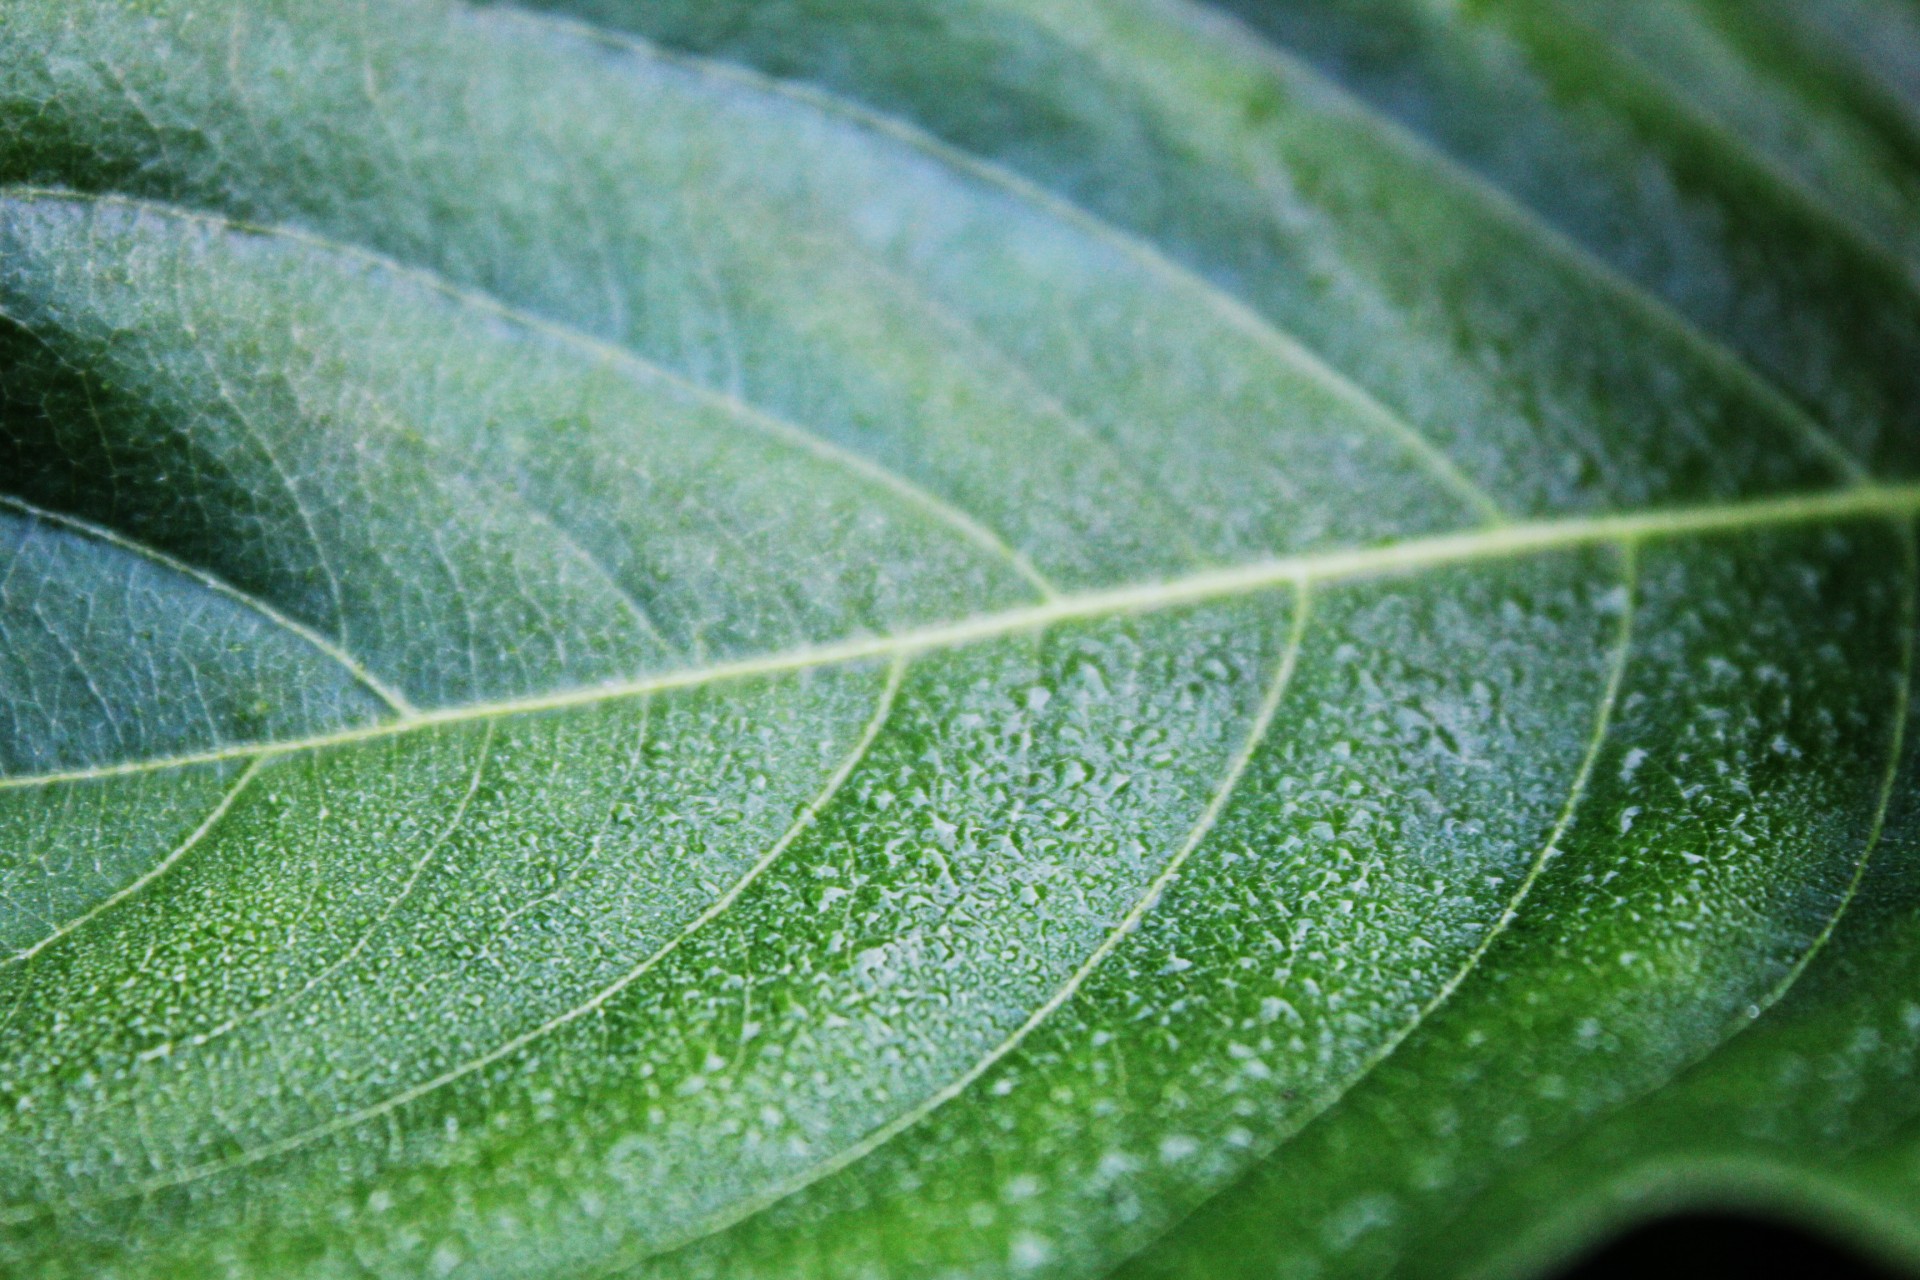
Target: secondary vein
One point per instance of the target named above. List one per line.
(1896, 749)
(394, 699)
(883, 709)
(1577, 256)
(1262, 329)
(1216, 805)
(158, 869)
(1576, 792)
(929, 504)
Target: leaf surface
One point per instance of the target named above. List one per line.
(985, 639)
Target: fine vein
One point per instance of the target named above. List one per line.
(482, 757)
(1549, 849)
(1811, 199)
(1896, 745)
(158, 869)
(1577, 256)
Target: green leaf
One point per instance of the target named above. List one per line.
(986, 638)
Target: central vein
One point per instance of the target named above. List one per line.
(1412, 555)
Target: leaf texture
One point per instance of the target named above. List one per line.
(1005, 637)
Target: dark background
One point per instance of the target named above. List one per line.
(1709, 1246)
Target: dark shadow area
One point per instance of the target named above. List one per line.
(1710, 1246)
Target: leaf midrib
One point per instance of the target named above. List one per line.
(1407, 556)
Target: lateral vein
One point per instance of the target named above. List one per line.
(1896, 749)
(1576, 792)
(883, 710)
(960, 522)
(1216, 805)
(1576, 256)
(158, 869)
(1261, 328)
(395, 700)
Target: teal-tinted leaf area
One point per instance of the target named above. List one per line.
(983, 639)
(115, 652)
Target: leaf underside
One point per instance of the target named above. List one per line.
(985, 638)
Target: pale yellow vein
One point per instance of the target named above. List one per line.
(394, 699)
(1412, 555)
